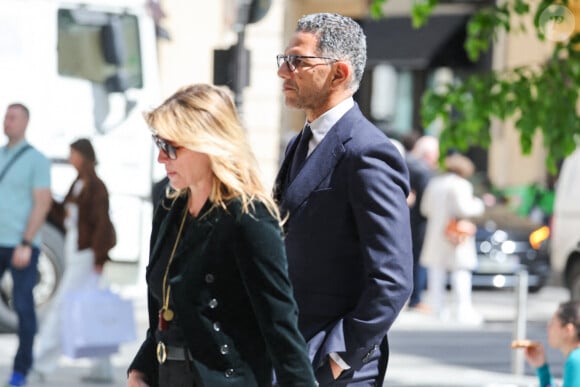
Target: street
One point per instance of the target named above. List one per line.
(428, 352)
(424, 351)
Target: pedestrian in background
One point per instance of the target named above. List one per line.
(25, 199)
(89, 235)
(221, 310)
(422, 161)
(343, 185)
(563, 334)
(449, 196)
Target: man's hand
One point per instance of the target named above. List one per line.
(21, 256)
(136, 379)
(334, 368)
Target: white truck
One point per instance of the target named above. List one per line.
(565, 240)
(84, 69)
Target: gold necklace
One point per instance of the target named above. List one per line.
(165, 313)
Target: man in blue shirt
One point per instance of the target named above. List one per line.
(25, 199)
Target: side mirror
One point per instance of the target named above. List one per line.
(113, 44)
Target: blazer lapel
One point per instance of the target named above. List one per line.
(281, 180)
(317, 167)
(319, 164)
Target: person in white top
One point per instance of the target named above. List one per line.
(450, 196)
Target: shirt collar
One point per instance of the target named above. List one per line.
(325, 122)
(14, 148)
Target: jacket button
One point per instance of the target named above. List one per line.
(213, 303)
(224, 349)
(209, 278)
(217, 326)
(229, 373)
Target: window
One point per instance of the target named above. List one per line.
(392, 99)
(100, 47)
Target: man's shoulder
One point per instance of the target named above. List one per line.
(35, 154)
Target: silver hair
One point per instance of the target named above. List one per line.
(338, 37)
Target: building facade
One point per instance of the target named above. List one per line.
(403, 62)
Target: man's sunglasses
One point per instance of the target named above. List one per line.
(167, 148)
(294, 61)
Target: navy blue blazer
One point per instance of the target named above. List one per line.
(348, 240)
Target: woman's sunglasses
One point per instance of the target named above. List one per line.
(167, 148)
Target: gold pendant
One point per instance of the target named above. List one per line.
(168, 314)
(161, 352)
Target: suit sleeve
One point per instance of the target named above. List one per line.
(377, 192)
(263, 267)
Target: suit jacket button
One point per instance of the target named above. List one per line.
(217, 326)
(229, 373)
(209, 278)
(224, 349)
(213, 303)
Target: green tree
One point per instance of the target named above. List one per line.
(541, 97)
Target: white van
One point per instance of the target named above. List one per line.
(565, 240)
(84, 68)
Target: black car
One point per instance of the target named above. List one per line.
(506, 244)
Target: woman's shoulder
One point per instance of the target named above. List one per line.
(575, 356)
(253, 209)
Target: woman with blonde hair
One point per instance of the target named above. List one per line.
(221, 309)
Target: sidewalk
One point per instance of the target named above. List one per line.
(424, 350)
(71, 370)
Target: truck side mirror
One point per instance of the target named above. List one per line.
(113, 44)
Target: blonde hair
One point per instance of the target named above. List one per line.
(204, 119)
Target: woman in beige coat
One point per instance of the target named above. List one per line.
(448, 196)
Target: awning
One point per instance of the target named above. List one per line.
(438, 43)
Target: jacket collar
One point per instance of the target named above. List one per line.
(166, 218)
(318, 166)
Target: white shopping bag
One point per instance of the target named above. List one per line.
(94, 323)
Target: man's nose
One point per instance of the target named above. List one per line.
(284, 71)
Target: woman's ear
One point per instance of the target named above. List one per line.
(571, 330)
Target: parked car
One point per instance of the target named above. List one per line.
(506, 244)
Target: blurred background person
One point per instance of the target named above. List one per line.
(89, 236)
(422, 157)
(24, 202)
(563, 334)
(449, 196)
(220, 303)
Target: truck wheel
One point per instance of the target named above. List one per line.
(573, 280)
(50, 270)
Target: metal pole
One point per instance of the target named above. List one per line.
(521, 291)
(243, 15)
(240, 71)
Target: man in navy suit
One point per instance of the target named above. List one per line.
(348, 236)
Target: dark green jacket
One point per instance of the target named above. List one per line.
(233, 273)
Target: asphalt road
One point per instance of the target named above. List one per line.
(429, 352)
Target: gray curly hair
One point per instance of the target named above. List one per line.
(339, 37)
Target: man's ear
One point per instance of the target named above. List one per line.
(341, 74)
